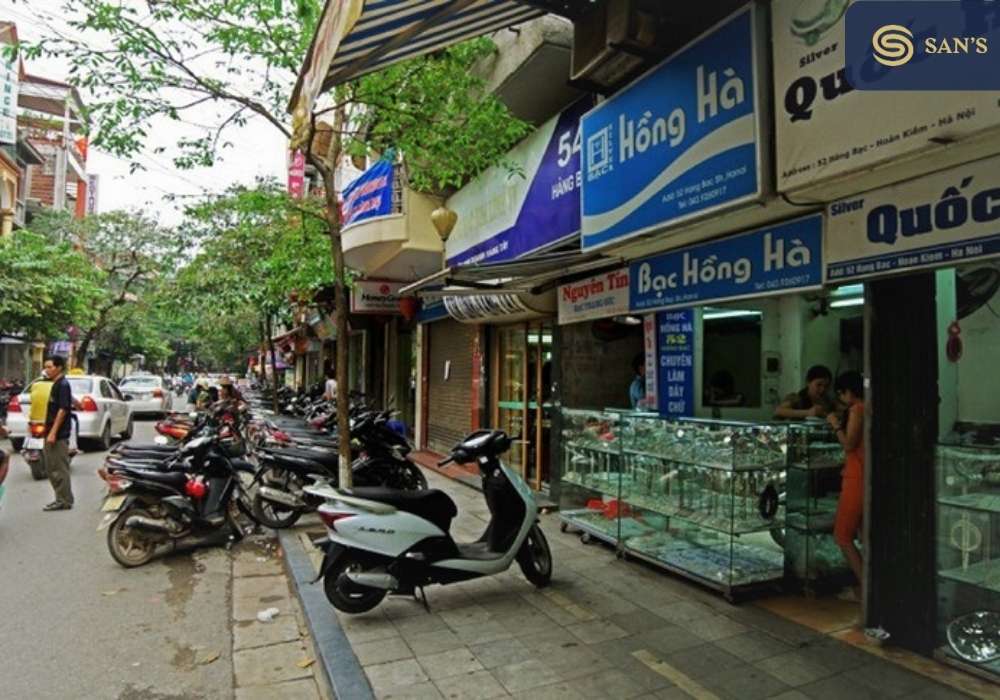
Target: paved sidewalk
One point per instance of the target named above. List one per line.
(270, 659)
(604, 629)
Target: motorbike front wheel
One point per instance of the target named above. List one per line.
(535, 559)
(345, 595)
(129, 547)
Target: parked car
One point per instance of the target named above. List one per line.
(104, 412)
(150, 394)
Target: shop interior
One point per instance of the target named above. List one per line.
(729, 497)
(968, 468)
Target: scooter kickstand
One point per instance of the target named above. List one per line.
(422, 598)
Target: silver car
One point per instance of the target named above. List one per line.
(103, 411)
(149, 393)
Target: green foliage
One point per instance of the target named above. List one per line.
(46, 286)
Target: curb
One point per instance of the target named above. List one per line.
(340, 666)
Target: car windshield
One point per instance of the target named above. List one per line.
(140, 382)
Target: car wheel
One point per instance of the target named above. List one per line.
(105, 442)
(17, 444)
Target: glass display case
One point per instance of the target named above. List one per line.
(701, 497)
(812, 558)
(591, 473)
(968, 556)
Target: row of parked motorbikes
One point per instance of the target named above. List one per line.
(226, 470)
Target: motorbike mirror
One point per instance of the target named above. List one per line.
(160, 440)
(193, 415)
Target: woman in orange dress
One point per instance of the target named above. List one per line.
(850, 432)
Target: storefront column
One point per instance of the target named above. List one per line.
(902, 367)
(555, 440)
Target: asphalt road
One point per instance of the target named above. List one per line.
(74, 624)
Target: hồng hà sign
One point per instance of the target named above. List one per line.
(682, 141)
(774, 260)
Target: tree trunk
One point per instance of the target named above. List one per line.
(274, 363)
(81, 350)
(327, 168)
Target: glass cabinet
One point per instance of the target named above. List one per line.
(812, 558)
(591, 473)
(968, 556)
(700, 498)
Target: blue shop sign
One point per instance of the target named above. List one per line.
(502, 216)
(774, 260)
(675, 374)
(370, 195)
(681, 142)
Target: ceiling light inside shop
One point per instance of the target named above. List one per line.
(713, 314)
(848, 290)
(841, 303)
(628, 320)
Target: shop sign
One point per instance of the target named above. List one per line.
(93, 183)
(946, 218)
(296, 174)
(599, 296)
(675, 331)
(682, 141)
(775, 260)
(502, 216)
(375, 297)
(819, 132)
(8, 101)
(432, 310)
(370, 195)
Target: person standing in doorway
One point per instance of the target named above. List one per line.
(55, 455)
(850, 432)
(637, 389)
(330, 388)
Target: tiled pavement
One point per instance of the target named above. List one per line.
(604, 629)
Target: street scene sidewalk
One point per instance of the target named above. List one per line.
(607, 628)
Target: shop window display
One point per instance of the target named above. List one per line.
(968, 470)
(591, 473)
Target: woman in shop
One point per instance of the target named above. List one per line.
(813, 400)
(850, 432)
(637, 389)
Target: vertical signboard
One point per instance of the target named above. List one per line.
(652, 361)
(93, 182)
(370, 195)
(8, 101)
(675, 331)
(297, 174)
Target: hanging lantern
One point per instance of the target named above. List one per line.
(409, 306)
(444, 220)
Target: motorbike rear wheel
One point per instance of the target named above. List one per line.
(273, 515)
(129, 547)
(345, 595)
(38, 471)
(535, 559)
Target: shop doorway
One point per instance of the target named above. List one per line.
(522, 363)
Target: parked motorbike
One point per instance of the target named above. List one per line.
(4, 469)
(383, 540)
(280, 497)
(195, 493)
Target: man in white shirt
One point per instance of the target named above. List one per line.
(330, 393)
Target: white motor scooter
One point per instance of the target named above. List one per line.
(382, 541)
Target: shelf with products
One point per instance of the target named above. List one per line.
(590, 473)
(812, 491)
(708, 491)
(968, 555)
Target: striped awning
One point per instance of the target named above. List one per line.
(356, 37)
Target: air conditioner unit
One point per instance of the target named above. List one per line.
(612, 42)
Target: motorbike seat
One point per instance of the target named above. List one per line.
(290, 458)
(144, 447)
(176, 479)
(328, 458)
(433, 504)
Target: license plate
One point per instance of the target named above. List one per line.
(34, 443)
(112, 504)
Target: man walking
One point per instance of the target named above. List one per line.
(57, 429)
